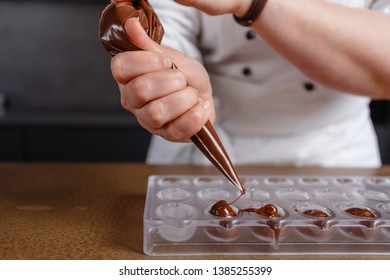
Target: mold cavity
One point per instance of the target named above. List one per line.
(272, 215)
(320, 214)
(378, 181)
(366, 216)
(213, 194)
(248, 182)
(173, 194)
(360, 233)
(310, 210)
(222, 209)
(223, 232)
(375, 195)
(344, 180)
(257, 194)
(266, 210)
(280, 181)
(176, 234)
(331, 195)
(174, 182)
(312, 181)
(293, 194)
(209, 181)
(177, 211)
(386, 208)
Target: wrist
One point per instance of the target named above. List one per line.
(242, 8)
(253, 11)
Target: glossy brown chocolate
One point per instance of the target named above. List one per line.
(222, 209)
(321, 223)
(360, 212)
(115, 40)
(268, 210)
(315, 213)
(112, 33)
(211, 146)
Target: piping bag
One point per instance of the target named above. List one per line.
(115, 40)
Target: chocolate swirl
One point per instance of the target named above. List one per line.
(222, 209)
(112, 20)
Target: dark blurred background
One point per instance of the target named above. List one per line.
(58, 100)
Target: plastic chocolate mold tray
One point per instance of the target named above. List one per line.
(177, 219)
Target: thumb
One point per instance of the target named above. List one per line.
(139, 37)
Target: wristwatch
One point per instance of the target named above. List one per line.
(253, 13)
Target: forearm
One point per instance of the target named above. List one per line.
(341, 47)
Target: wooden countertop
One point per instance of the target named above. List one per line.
(95, 210)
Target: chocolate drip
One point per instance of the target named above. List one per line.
(115, 40)
(222, 209)
(268, 210)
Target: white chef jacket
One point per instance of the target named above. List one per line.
(268, 112)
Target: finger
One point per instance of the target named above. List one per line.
(178, 130)
(128, 65)
(139, 37)
(146, 88)
(161, 111)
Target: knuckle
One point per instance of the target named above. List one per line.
(158, 61)
(154, 114)
(196, 117)
(179, 80)
(177, 135)
(124, 102)
(117, 69)
(138, 89)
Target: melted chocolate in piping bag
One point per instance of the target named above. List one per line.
(112, 33)
(115, 40)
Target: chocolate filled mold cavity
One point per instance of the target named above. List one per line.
(204, 215)
(313, 211)
(266, 211)
(359, 211)
(222, 210)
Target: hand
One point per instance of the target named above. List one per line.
(211, 7)
(172, 103)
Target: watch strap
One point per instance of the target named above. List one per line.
(252, 14)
